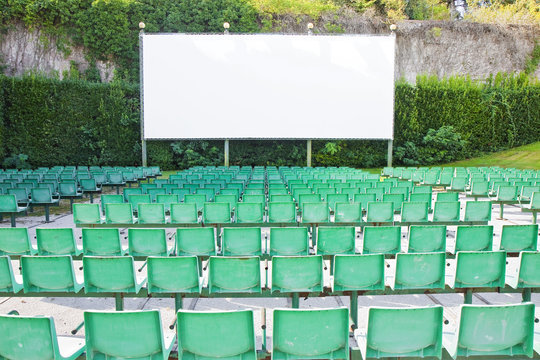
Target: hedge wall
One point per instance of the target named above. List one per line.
(83, 123)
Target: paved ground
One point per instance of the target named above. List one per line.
(68, 312)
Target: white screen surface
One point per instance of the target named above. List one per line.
(268, 87)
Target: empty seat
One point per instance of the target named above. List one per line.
(527, 274)
(382, 240)
(9, 282)
(478, 211)
(184, 214)
(347, 212)
(251, 198)
(49, 274)
(43, 197)
(427, 238)
(332, 199)
(131, 191)
(446, 211)
(297, 273)
(25, 337)
(110, 199)
(476, 269)
(397, 199)
(126, 335)
(151, 213)
(474, 238)
(298, 334)
(173, 275)
(358, 272)
(420, 271)
(249, 213)
(447, 196)
(15, 241)
(218, 212)
(148, 242)
(102, 242)
(336, 240)
(414, 212)
(216, 335)
(59, 241)
(289, 241)
(114, 274)
(364, 200)
(516, 238)
(86, 214)
(241, 241)
(315, 212)
(234, 274)
(198, 199)
(119, 213)
(281, 212)
(195, 241)
(380, 212)
(167, 200)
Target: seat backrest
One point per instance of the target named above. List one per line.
(404, 332)
(8, 203)
(420, 271)
(179, 274)
(198, 199)
(281, 212)
(507, 193)
(397, 199)
(297, 273)
(427, 238)
(474, 238)
(88, 184)
(345, 212)
(315, 212)
(364, 199)
(516, 238)
(289, 241)
(41, 195)
(234, 274)
(528, 275)
(382, 240)
(109, 274)
(56, 241)
(448, 196)
(332, 199)
(380, 211)
(184, 213)
(86, 214)
(127, 192)
(414, 212)
(480, 269)
(121, 213)
(480, 188)
(48, 273)
(298, 334)
(147, 242)
(336, 240)
(242, 241)
(195, 241)
(214, 335)
(151, 213)
(15, 241)
(110, 199)
(25, 337)
(535, 200)
(249, 212)
(105, 242)
(217, 212)
(446, 211)
(358, 272)
(478, 211)
(7, 280)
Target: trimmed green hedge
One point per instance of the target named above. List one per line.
(83, 123)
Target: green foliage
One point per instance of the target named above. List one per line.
(534, 60)
(427, 10)
(198, 153)
(16, 161)
(160, 154)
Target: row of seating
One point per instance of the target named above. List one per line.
(486, 330)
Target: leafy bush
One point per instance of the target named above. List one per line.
(16, 161)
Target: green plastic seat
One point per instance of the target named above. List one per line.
(289, 241)
(336, 240)
(127, 192)
(197, 199)
(298, 334)
(474, 238)
(104, 242)
(414, 212)
(49, 274)
(281, 212)
(15, 241)
(151, 213)
(491, 331)
(25, 337)
(427, 238)
(254, 191)
(249, 212)
(420, 271)
(247, 198)
(57, 241)
(507, 193)
(446, 211)
(173, 275)
(358, 272)
(111, 274)
(9, 282)
(315, 212)
(459, 184)
(382, 240)
(332, 199)
(234, 274)
(476, 269)
(478, 211)
(216, 335)
(184, 214)
(86, 214)
(195, 241)
(280, 197)
(167, 200)
(68, 189)
(154, 193)
(402, 333)
(148, 242)
(231, 199)
(181, 193)
(447, 196)
(110, 199)
(516, 238)
(137, 199)
(297, 273)
(219, 212)
(364, 200)
(43, 196)
(378, 192)
(527, 275)
(117, 335)
(421, 197)
(397, 199)
(380, 212)
(479, 189)
(119, 213)
(241, 241)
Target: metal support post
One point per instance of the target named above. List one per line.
(354, 308)
(389, 158)
(526, 295)
(177, 302)
(309, 153)
(468, 296)
(226, 157)
(141, 95)
(119, 302)
(295, 301)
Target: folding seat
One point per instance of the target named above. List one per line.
(427, 238)
(9, 205)
(195, 241)
(254, 191)
(110, 199)
(241, 241)
(86, 214)
(91, 187)
(298, 334)
(216, 335)
(474, 238)
(227, 198)
(475, 269)
(169, 188)
(420, 271)
(507, 193)
(422, 190)
(167, 200)
(151, 213)
(347, 212)
(380, 212)
(492, 331)
(49, 274)
(479, 189)
(297, 273)
(308, 198)
(9, 282)
(336, 240)
(281, 198)
(234, 274)
(446, 211)
(281, 212)
(402, 333)
(315, 212)
(135, 200)
(119, 213)
(102, 242)
(175, 275)
(131, 191)
(414, 212)
(57, 241)
(516, 238)
(146, 187)
(382, 240)
(289, 241)
(155, 192)
(25, 337)
(332, 199)
(249, 213)
(477, 211)
(397, 199)
(181, 193)
(527, 274)
(216, 213)
(111, 274)
(447, 196)
(261, 199)
(148, 242)
(325, 192)
(126, 335)
(358, 272)
(43, 197)
(351, 192)
(527, 192)
(364, 199)
(207, 192)
(458, 184)
(184, 213)
(15, 241)
(379, 192)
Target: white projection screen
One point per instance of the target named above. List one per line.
(268, 86)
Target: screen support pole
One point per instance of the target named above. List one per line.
(143, 141)
(389, 159)
(226, 157)
(309, 153)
